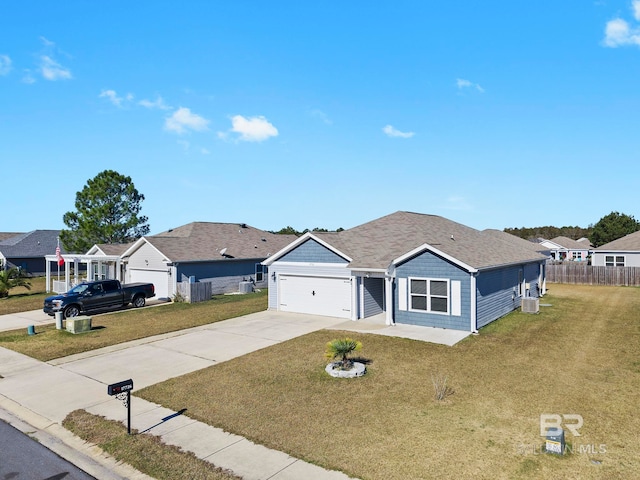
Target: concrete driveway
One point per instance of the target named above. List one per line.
(45, 393)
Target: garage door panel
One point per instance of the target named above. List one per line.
(160, 280)
(315, 295)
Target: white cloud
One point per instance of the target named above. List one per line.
(461, 83)
(5, 64)
(52, 70)
(253, 129)
(322, 116)
(157, 103)
(28, 78)
(457, 202)
(390, 131)
(46, 42)
(618, 33)
(183, 120)
(204, 151)
(114, 98)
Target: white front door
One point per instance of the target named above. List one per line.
(326, 296)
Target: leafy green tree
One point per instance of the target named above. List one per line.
(288, 231)
(10, 278)
(611, 227)
(107, 211)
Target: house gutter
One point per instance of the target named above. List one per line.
(473, 311)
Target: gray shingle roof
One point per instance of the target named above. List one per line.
(377, 243)
(535, 246)
(203, 241)
(569, 243)
(6, 235)
(114, 248)
(627, 243)
(36, 243)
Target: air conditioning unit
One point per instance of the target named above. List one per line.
(245, 287)
(530, 305)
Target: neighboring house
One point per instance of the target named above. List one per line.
(27, 251)
(102, 266)
(623, 252)
(564, 248)
(223, 254)
(413, 268)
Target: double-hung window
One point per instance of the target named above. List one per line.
(261, 272)
(614, 260)
(429, 295)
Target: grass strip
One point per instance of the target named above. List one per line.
(132, 324)
(144, 452)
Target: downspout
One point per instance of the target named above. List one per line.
(473, 311)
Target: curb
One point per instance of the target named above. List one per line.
(86, 456)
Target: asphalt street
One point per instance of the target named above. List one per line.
(23, 458)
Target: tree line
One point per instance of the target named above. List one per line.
(108, 211)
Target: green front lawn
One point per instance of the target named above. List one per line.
(132, 324)
(22, 300)
(579, 356)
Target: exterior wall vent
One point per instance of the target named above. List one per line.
(530, 305)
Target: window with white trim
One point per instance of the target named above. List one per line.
(261, 272)
(429, 295)
(614, 260)
(576, 255)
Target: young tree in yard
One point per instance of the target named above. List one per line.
(107, 211)
(12, 277)
(611, 227)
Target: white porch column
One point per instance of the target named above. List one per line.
(67, 272)
(388, 294)
(48, 267)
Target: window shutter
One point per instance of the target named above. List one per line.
(402, 294)
(456, 307)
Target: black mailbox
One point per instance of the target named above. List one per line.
(120, 387)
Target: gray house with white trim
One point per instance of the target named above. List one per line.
(412, 268)
(223, 254)
(623, 252)
(27, 251)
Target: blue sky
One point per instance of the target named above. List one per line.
(323, 114)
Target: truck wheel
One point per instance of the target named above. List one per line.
(139, 301)
(71, 311)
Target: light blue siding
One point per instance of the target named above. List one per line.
(429, 265)
(373, 296)
(312, 252)
(224, 275)
(498, 292)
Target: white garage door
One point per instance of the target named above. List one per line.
(315, 295)
(160, 280)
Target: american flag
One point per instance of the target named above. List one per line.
(59, 255)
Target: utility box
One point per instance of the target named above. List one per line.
(530, 305)
(80, 324)
(555, 441)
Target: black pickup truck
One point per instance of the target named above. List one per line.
(100, 295)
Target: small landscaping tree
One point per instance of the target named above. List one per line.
(10, 278)
(342, 348)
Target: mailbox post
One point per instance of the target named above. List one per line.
(122, 391)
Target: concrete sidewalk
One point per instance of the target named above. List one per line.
(45, 393)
